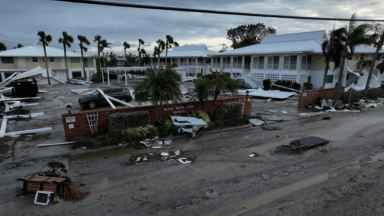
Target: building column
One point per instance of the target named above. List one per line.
(2, 76)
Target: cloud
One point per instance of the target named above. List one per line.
(25, 18)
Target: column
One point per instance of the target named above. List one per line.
(2, 76)
(125, 71)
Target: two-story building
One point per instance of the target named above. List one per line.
(296, 57)
(192, 58)
(29, 57)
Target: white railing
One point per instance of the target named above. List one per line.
(304, 66)
(226, 65)
(88, 64)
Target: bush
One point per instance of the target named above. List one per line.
(83, 141)
(167, 128)
(296, 86)
(120, 121)
(308, 86)
(201, 115)
(138, 133)
(267, 84)
(228, 109)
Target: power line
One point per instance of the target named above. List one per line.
(211, 11)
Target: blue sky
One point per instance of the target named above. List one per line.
(22, 19)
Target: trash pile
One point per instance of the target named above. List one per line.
(330, 106)
(154, 143)
(165, 156)
(301, 145)
(50, 183)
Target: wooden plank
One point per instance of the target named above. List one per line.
(28, 131)
(3, 127)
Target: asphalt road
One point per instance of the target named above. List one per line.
(223, 175)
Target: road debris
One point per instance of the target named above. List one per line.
(184, 161)
(301, 145)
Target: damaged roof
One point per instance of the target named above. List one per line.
(189, 51)
(37, 50)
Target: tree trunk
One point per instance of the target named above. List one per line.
(325, 72)
(98, 55)
(213, 105)
(82, 59)
(373, 65)
(340, 79)
(65, 59)
(157, 116)
(202, 105)
(125, 54)
(158, 60)
(46, 65)
(166, 56)
(160, 110)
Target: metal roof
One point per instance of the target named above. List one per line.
(184, 48)
(189, 51)
(313, 35)
(38, 51)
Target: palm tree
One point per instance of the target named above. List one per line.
(140, 50)
(2, 47)
(126, 46)
(377, 39)
(169, 43)
(112, 59)
(18, 46)
(222, 84)
(45, 40)
(363, 64)
(331, 50)
(160, 48)
(83, 40)
(101, 44)
(163, 85)
(202, 90)
(351, 36)
(66, 40)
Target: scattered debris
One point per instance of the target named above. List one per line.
(53, 144)
(256, 122)
(301, 145)
(253, 155)
(165, 154)
(184, 161)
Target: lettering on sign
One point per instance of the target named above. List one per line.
(71, 126)
(179, 108)
(178, 112)
(189, 107)
(167, 109)
(304, 94)
(70, 119)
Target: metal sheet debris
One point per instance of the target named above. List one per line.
(54, 144)
(301, 145)
(256, 122)
(180, 121)
(184, 161)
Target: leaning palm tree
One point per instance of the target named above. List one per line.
(98, 41)
(160, 49)
(45, 40)
(66, 40)
(2, 47)
(363, 64)
(351, 36)
(126, 46)
(201, 91)
(140, 50)
(223, 84)
(163, 85)
(169, 44)
(377, 39)
(331, 50)
(83, 40)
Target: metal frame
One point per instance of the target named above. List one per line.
(48, 193)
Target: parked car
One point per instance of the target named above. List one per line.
(96, 99)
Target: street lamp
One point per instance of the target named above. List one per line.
(69, 108)
(247, 93)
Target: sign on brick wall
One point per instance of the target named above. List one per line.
(76, 123)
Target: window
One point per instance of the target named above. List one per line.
(378, 57)
(35, 59)
(227, 62)
(306, 63)
(7, 60)
(361, 55)
(350, 57)
(329, 79)
(76, 74)
(273, 62)
(51, 59)
(238, 62)
(75, 60)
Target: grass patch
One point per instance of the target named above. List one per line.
(322, 150)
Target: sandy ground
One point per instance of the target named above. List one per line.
(222, 174)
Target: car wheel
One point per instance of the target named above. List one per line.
(92, 105)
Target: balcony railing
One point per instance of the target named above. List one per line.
(304, 66)
(88, 64)
(226, 64)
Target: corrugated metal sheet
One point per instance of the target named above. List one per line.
(295, 37)
(38, 51)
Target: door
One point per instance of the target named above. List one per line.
(21, 63)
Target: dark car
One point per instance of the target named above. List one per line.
(96, 99)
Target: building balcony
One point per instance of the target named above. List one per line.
(302, 66)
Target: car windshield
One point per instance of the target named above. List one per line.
(95, 92)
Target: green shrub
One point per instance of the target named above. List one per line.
(83, 141)
(138, 133)
(308, 86)
(120, 121)
(296, 86)
(267, 84)
(229, 109)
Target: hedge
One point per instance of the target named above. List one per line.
(120, 121)
(228, 109)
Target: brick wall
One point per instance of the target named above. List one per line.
(309, 97)
(76, 123)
